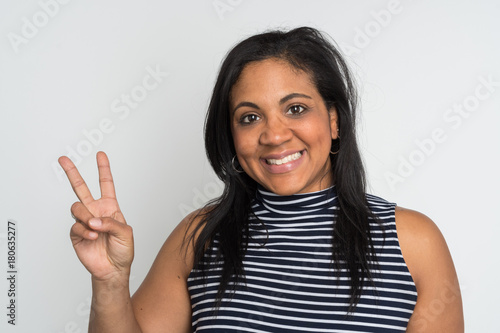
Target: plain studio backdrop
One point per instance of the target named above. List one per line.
(134, 79)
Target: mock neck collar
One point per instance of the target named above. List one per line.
(296, 203)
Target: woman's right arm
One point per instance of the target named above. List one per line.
(106, 250)
(162, 302)
(104, 244)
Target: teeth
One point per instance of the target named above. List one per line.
(285, 159)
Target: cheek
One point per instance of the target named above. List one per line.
(242, 143)
(324, 141)
(318, 133)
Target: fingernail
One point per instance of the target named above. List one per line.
(95, 222)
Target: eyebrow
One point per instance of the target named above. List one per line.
(282, 101)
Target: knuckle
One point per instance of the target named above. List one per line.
(129, 229)
(107, 220)
(76, 229)
(78, 182)
(75, 206)
(110, 223)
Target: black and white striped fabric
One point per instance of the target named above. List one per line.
(290, 285)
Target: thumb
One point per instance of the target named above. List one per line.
(111, 226)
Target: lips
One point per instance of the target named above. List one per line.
(283, 162)
(286, 159)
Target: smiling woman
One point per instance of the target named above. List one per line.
(294, 244)
(281, 128)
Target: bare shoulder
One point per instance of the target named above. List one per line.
(408, 220)
(162, 302)
(439, 302)
(417, 232)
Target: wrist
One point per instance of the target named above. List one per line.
(114, 277)
(106, 292)
(115, 281)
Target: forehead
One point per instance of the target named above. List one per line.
(271, 78)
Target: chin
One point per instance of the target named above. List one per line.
(285, 192)
(283, 189)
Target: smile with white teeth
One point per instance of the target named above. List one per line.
(286, 159)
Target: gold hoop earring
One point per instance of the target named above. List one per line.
(236, 168)
(338, 138)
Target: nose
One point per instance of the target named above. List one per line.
(275, 132)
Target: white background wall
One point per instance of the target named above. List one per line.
(415, 61)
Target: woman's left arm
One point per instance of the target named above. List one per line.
(439, 302)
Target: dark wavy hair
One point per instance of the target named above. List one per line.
(310, 51)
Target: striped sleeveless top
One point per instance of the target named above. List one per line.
(290, 286)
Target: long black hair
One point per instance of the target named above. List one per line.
(227, 216)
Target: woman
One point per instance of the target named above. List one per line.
(293, 244)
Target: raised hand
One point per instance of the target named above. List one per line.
(101, 237)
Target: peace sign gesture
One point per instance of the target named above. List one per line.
(101, 237)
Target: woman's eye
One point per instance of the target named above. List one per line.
(296, 109)
(249, 118)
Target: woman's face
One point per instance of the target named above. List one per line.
(281, 128)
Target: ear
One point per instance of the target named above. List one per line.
(334, 125)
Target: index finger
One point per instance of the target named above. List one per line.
(105, 177)
(75, 179)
